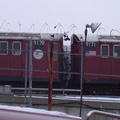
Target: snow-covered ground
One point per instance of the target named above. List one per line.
(88, 98)
(34, 111)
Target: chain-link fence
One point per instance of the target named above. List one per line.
(25, 63)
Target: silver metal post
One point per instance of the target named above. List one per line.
(81, 79)
(93, 27)
(30, 73)
(83, 48)
(26, 60)
(101, 113)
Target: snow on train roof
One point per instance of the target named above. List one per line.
(95, 38)
(33, 110)
(33, 36)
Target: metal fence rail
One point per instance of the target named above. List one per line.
(45, 90)
(101, 113)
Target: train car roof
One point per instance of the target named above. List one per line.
(95, 38)
(33, 36)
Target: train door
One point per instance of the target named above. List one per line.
(75, 61)
(16, 62)
(116, 63)
(39, 59)
(104, 62)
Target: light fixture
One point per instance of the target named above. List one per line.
(58, 26)
(93, 26)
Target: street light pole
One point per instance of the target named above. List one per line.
(93, 27)
(83, 46)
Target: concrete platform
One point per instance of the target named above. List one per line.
(67, 104)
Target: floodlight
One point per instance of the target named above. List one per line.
(93, 26)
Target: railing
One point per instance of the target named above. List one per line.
(45, 90)
(101, 113)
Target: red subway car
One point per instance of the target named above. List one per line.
(25, 55)
(101, 55)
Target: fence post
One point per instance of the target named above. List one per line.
(30, 73)
(26, 71)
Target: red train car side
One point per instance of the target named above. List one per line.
(16, 61)
(101, 63)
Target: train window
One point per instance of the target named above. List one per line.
(16, 48)
(55, 50)
(116, 51)
(3, 48)
(104, 50)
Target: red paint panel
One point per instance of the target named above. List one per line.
(91, 67)
(104, 68)
(115, 67)
(4, 64)
(42, 64)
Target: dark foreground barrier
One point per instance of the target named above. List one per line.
(18, 113)
(101, 113)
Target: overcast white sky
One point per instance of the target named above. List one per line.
(32, 15)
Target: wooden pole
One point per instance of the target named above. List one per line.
(50, 77)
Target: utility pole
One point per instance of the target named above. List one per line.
(93, 27)
(50, 77)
